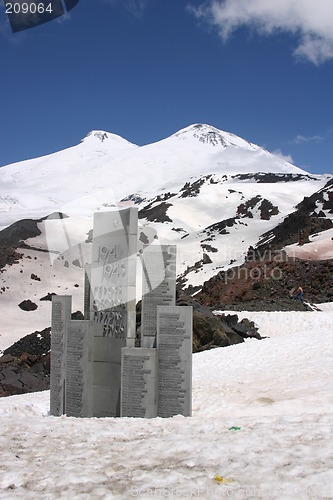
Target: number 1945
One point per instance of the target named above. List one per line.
(28, 8)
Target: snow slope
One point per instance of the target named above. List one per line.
(195, 224)
(277, 393)
(15, 323)
(320, 247)
(191, 227)
(195, 220)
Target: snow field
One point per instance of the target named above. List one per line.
(320, 247)
(278, 391)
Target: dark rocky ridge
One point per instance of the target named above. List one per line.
(13, 237)
(299, 225)
(265, 207)
(9, 256)
(21, 230)
(269, 285)
(271, 178)
(209, 330)
(157, 213)
(16, 233)
(25, 366)
(36, 344)
(190, 190)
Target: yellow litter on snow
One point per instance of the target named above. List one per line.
(221, 479)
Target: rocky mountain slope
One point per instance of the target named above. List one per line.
(297, 252)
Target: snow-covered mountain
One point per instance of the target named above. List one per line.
(209, 192)
(104, 168)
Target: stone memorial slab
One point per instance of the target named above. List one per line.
(139, 382)
(158, 287)
(113, 272)
(112, 301)
(61, 315)
(106, 376)
(174, 343)
(79, 368)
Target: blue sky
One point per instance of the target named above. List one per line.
(143, 69)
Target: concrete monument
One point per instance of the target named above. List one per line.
(96, 370)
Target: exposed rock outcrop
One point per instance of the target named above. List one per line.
(27, 305)
(210, 330)
(25, 366)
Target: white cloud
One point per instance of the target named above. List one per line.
(282, 156)
(299, 139)
(316, 50)
(310, 20)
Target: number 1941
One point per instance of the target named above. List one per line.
(28, 8)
